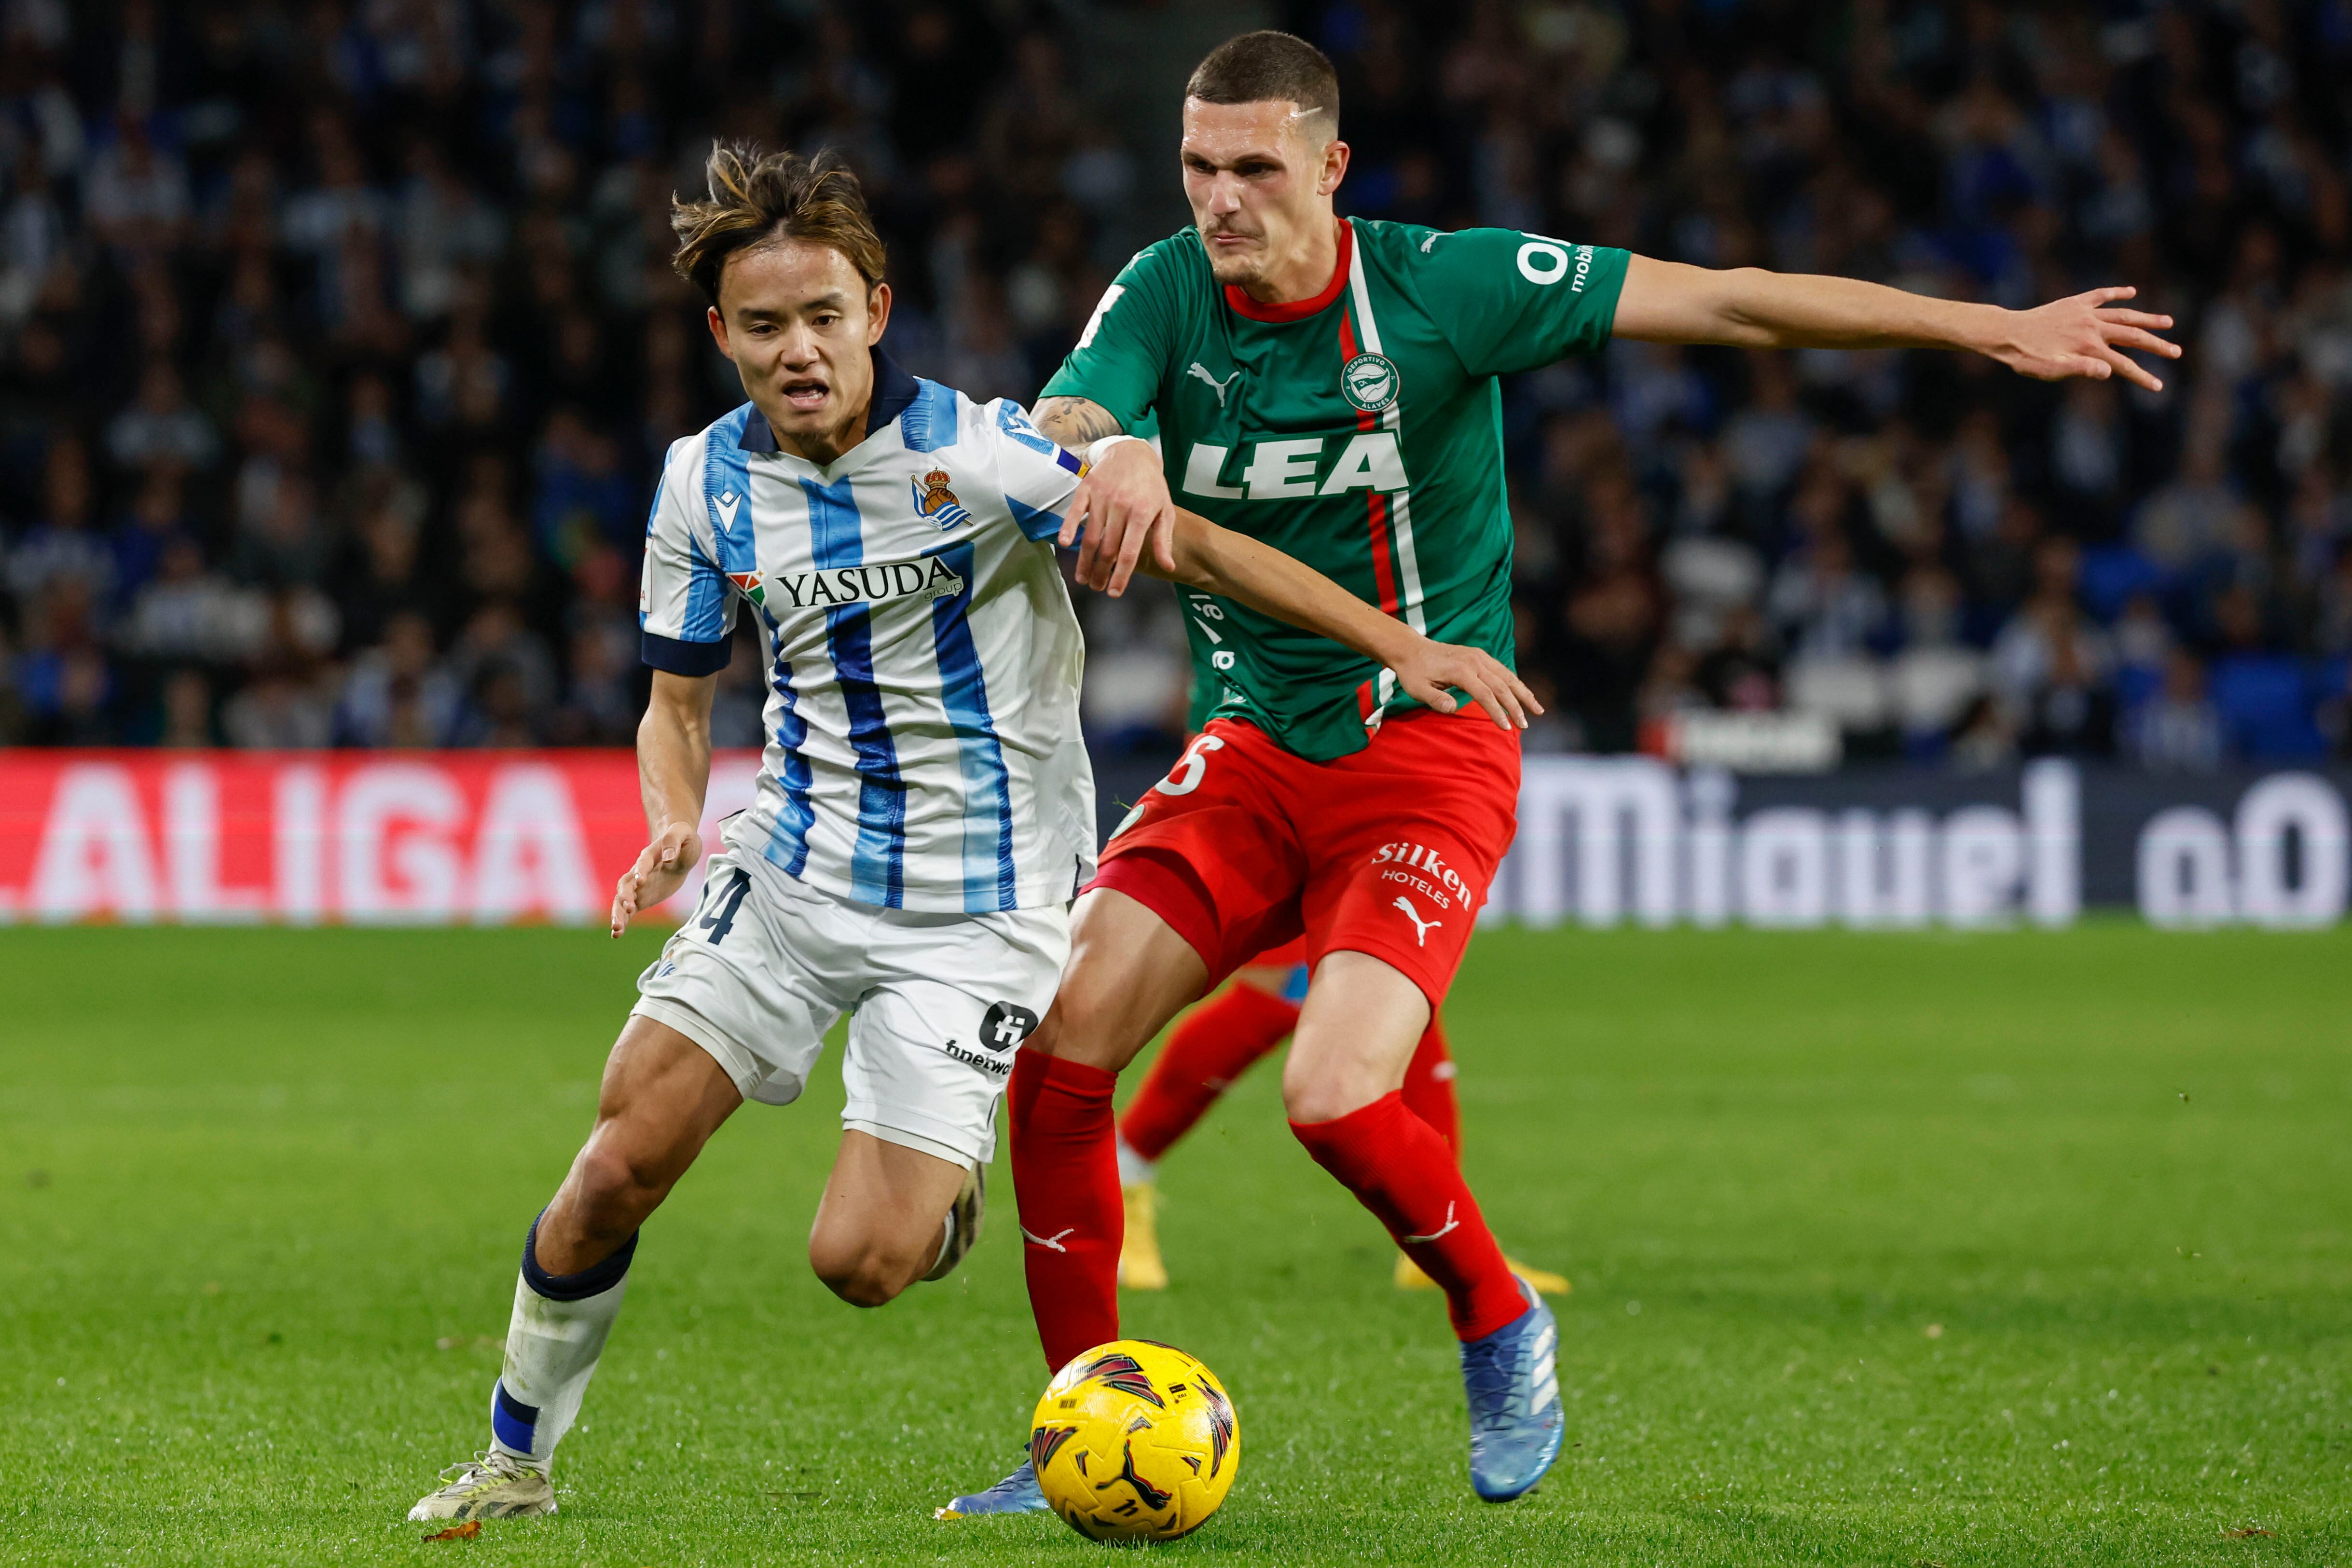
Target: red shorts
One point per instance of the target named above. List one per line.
(1246, 846)
(1293, 951)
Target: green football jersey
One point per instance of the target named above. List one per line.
(1360, 431)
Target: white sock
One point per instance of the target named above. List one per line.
(553, 1341)
(1133, 1168)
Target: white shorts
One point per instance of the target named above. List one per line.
(765, 964)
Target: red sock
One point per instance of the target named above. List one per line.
(1213, 1045)
(1428, 1086)
(1066, 1183)
(1399, 1168)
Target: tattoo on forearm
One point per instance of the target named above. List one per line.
(1074, 422)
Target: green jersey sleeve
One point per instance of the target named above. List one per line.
(1121, 358)
(1511, 301)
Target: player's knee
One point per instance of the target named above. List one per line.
(1308, 1095)
(1085, 1021)
(615, 1191)
(859, 1270)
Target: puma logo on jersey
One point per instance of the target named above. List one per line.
(1421, 927)
(925, 578)
(1451, 1223)
(1214, 384)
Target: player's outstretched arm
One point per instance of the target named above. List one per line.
(1238, 567)
(1747, 307)
(673, 774)
(1121, 503)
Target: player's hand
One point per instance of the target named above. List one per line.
(1123, 506)
(661, 869)
(1432, 666)
(2085, 335)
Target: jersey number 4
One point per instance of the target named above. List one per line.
(721, 920)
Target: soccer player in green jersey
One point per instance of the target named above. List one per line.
(1327, 386)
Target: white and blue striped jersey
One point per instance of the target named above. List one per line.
(923, 747)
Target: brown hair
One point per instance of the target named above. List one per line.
(1268, 66)
(759, 199)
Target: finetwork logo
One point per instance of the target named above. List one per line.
(1005, 1025)
(971, 1057)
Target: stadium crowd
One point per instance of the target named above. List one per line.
(338, 347)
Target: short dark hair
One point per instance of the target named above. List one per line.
(1268, 66)
(761, 198)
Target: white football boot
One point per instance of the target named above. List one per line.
(491, 1485)
(961, 1229)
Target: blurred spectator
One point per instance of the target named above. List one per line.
(134, 194)
(158, 520)
(288, 543)
(2051, 664)
(508, 677)
(2188, 517)
(187, 612)
(63, 681)
(62, 550)
(1826, 606)
(160, 428)
(1613, 616)
(2178, 730)
(398, 693)
(280, 709)
(188, 711)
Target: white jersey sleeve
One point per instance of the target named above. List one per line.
(1036, 475)
(686, 605)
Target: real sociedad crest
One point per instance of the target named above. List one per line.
(935, 500)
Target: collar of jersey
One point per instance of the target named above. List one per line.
(1299, 310)
(894, 390)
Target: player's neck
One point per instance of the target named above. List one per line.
(822, 447)
(1306, 272)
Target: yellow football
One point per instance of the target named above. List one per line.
(1135, 1440)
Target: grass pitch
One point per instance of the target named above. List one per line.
(2004, 1250)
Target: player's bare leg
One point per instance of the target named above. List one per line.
(663, 1097)
(1358, 1030)
(1207, 1051)
(891, 1215)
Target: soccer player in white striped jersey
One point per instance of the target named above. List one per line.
(925, 814)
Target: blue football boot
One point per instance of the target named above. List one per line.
(1017, 1493)
(1515, 1420)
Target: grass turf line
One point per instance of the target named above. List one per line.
(252, 1182)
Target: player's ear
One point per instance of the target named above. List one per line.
(877, 312)
(1335, 167)
(718, 324)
